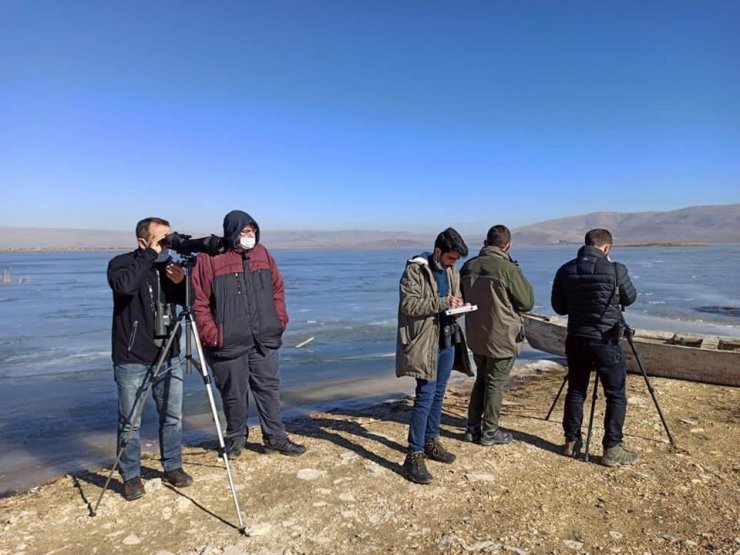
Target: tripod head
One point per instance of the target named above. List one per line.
(187, 261)
(627, 331)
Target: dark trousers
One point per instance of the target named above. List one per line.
(484, 408)
(257, 371)
(607, 358)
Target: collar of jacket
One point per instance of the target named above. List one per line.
(423, 260)
(591, 251)
(490, 250)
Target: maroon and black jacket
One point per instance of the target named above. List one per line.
(239, 296)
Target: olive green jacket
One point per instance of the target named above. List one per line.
(494, 282)
(419, 307)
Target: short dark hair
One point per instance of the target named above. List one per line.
(498, 236)
(450, 240)
(598, 238)
(142, 228)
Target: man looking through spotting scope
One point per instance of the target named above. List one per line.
(240, 313)
(429, 344)
(591, 289)
(146, 285)
(495, 282)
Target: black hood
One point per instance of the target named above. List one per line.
(234, 222)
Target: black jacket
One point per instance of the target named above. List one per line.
(130, 276)
(589, 289)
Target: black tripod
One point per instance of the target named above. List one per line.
(628, 334)
(191, 332)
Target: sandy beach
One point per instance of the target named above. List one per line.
(346, 494)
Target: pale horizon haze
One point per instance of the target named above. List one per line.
(364, 115)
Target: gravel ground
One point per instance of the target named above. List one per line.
(345, 495)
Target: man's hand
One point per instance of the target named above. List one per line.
(175, 273)
(455, 301)
(155, 243)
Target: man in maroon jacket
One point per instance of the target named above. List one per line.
(240, 312)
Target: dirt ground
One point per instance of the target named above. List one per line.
(345, 495)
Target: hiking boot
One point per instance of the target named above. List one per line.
(435, 450)
(133, 489)
(234, 448)
(415, 469)
(178, 478)
(618, 455)
(285, 447)
(572, 447)
(497, 437)
(472, 434)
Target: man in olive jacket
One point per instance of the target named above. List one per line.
(429, 344)
(494, 282)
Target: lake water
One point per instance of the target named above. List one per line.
(58, 398)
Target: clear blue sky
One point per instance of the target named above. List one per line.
(364, 114)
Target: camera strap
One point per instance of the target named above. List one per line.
(152, 298)
(614, 292)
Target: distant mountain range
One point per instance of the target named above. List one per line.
(712, 224)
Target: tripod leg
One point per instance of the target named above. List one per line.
(591, 417)
(138, 409)
(214, 413)
(650, 388)
(555, 401)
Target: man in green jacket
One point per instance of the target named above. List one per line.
(427, 344)
(493, 281)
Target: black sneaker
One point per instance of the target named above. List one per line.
(285, 447)
(234, 448)
(435, 450)
(415, 469)
(497, 437)
(178, 478)
(133, 489)
(472, 434)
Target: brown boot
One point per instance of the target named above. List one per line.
(133, 489)
(572, 447)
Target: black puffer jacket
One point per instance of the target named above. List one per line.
(589, 289)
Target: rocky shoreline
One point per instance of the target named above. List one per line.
(347, 495)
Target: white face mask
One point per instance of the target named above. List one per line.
(247, 242)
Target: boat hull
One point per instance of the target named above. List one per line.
(699, 358)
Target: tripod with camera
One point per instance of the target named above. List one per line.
(628, 333)
(186, 321)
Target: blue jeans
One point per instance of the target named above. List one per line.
(132, 380)
(426, 416)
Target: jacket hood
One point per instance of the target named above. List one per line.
(234, 222)
(422, 258)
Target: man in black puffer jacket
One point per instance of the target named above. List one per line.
(590, 290)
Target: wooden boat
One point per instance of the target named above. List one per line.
(700, 358)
